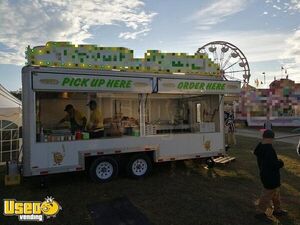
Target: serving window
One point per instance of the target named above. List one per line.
(116, 115)
(207, 113)
(66, 116)
(176, 113)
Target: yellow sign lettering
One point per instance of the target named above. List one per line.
(19, 208)
(9, 207)
(31, 210)
(36, 208)
(27, 208)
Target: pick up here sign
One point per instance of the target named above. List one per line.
(67, 82)
(166, 85)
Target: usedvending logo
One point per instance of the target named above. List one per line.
(31, 210)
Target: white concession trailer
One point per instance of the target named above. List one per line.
(148, 118)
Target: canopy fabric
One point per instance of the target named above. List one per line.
(10, 107)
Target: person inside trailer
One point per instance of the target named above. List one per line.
(226, 117)
(95, 125)
(76, 119)
(231, 128)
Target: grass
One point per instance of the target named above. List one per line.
(289, 130)
(177, 193)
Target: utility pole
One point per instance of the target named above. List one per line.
(284, 71)
(264, 77)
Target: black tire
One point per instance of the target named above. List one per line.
(103, 169)
(138, 166)
(210, 162)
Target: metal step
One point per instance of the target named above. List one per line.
(224, 159)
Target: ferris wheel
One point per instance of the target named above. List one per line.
(231, 60)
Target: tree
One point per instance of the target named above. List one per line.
(17, 93)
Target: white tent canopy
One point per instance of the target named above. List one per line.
(10, 120)
(10, 107)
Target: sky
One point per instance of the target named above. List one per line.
(266, 31)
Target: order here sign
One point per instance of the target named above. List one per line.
(193, 86)
(68, 82)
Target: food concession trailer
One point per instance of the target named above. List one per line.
(149, 116)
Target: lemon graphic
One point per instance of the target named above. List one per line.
(207, 145)
(50, 207)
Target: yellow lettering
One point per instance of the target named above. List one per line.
(27, 208)
(12, 207)
(19, 208)
(36, 208)
(9, 207)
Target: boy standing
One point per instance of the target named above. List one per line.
(269, 166)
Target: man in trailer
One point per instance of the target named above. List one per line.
(76, 119)
(95, 125)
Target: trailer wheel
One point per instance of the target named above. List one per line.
(210, 162)
(139, 166)
(103, 169)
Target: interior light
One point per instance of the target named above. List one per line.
(179, 73)
(65, 95)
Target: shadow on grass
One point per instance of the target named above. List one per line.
(177, 193)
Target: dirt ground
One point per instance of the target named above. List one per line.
(176, 193)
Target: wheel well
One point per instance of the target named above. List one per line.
(88, 161)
